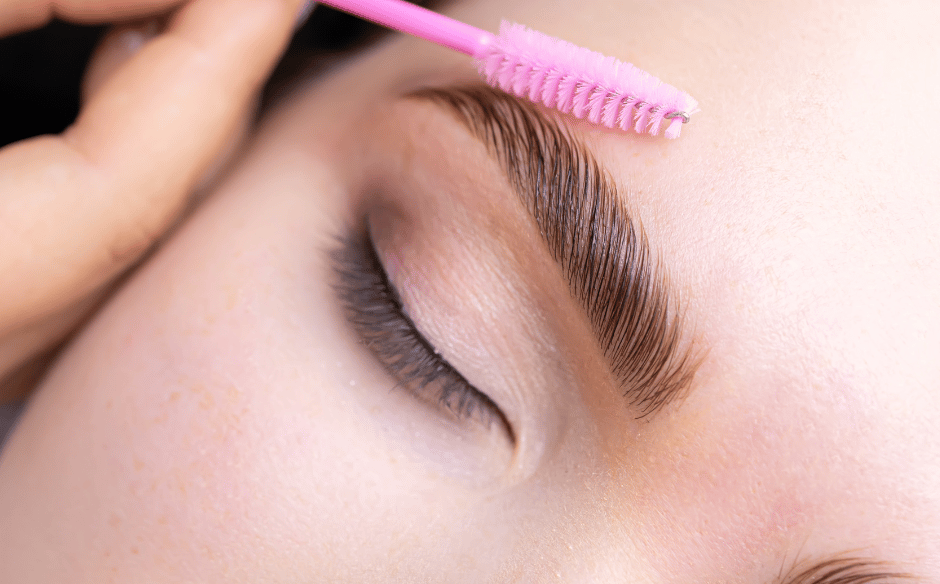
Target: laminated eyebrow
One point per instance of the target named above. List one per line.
(845, 570)
(604, 254)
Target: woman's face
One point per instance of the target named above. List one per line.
(376, 355)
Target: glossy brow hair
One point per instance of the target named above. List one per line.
(603, 253)
(846, 570)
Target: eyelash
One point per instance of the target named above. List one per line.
(376, 314)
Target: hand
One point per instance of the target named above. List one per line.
(76, 210)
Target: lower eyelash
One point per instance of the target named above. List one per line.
(375, 312)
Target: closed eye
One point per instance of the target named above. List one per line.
(376, 314)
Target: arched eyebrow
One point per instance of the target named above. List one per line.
(603, 251)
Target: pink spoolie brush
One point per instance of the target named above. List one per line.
(546, 70)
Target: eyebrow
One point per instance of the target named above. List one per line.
(844, 570)
(603, 251)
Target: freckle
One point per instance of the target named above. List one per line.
(162, 520)
(134, 550)
(138, 464)
(108, 404)
(174, 396)
(114, 520)
(206, 400)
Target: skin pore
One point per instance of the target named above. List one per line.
(221, 420)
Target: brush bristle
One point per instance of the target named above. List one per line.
(581, 82)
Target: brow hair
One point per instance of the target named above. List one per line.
(603, 251)
(846, 570)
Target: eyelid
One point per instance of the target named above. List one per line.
(602, 250)
(376, 313)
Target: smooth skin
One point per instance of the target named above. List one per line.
(218, 421)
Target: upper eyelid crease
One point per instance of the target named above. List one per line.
(604, 254)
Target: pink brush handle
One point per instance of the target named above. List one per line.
(418, 21)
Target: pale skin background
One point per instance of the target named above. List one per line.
(217, 421)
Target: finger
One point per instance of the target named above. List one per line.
(31, 348)
(115, 49)
(75, 210)
(20, 15)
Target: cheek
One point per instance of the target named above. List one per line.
(194, 415)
